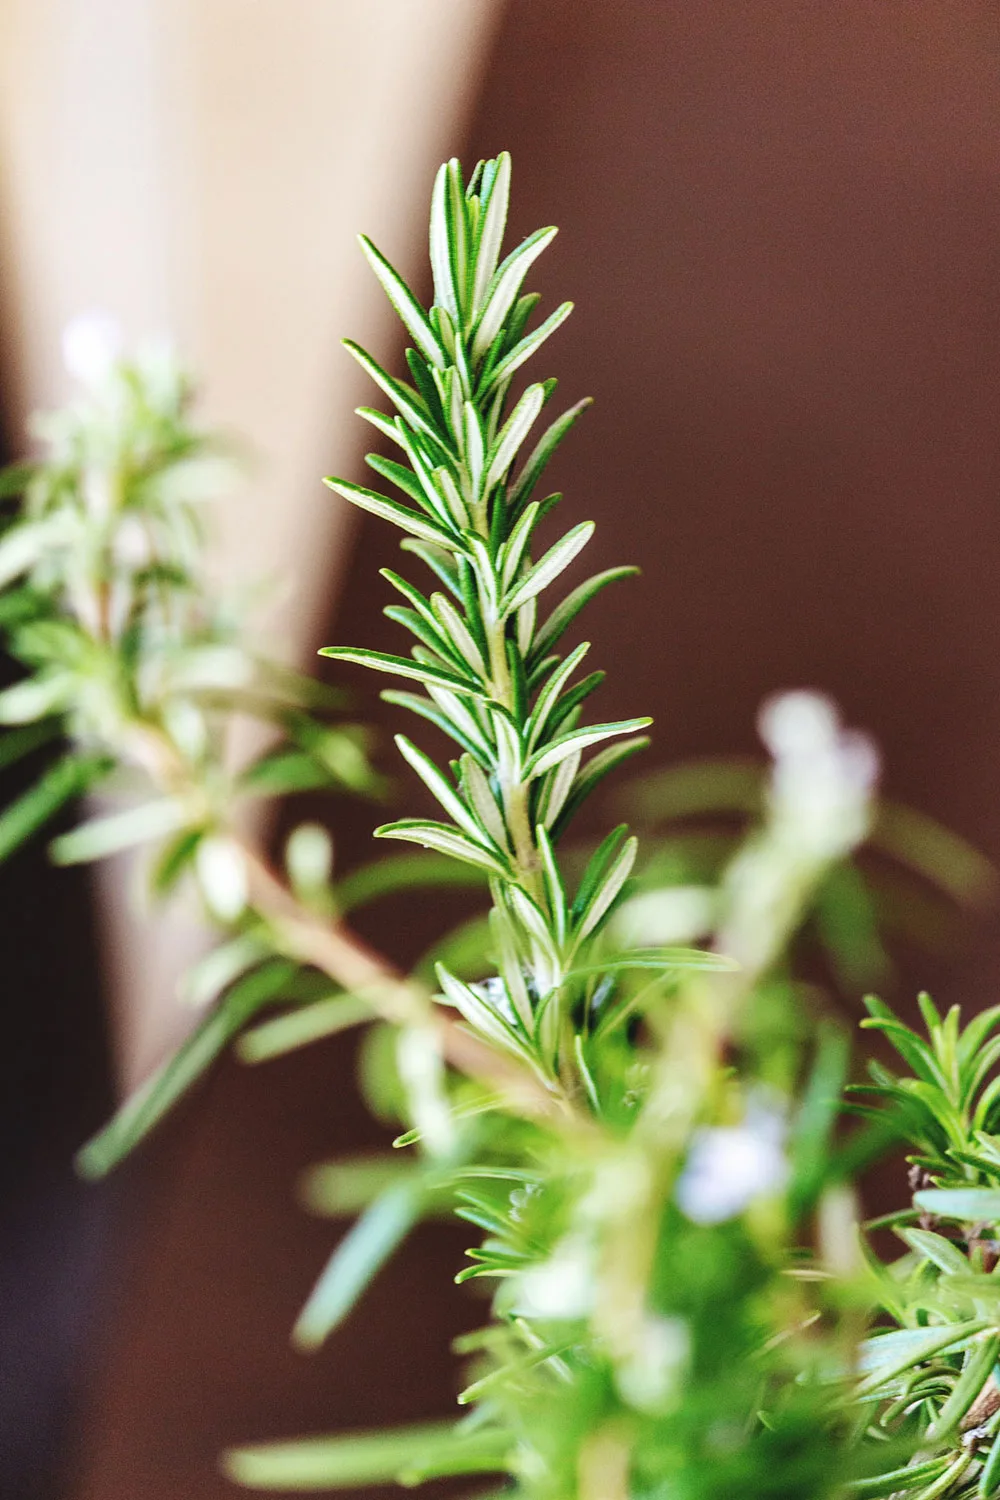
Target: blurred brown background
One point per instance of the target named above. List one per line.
(779, 222)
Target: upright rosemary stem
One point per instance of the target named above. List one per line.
(512, 788)
(494, 679)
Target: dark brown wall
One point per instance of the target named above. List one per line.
(780, 225)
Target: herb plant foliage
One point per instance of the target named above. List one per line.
(644, 1131)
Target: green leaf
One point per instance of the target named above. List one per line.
(403, 478)
(445, 840)
(147, 1106)
(512, 552)
(662, 960)
(565, 613)
(594, 773)
(121, 830)
(406, 305)
(402, 872)
(15, 478)
(965, 1204)
(23, 545)
(17, 743)
(300, 1028)
(607, 892)
(544, 449)
(68, 778)
(817, 1116)
(483, 1017)
(947, 861)
(555, 890)
(989, 1479)
(403, 397)
(538, 721)
(504, 289)
(356, 1460)
(912, 1048)
(36, 698)
(938, 1250)
(489, 238)
(431, 636)
(555, 789)
(979, 1362)
(513, 434)
(439, 788)
(220, 968)
(894, 1481)
(525, 349)
(442, 263)
(362, 1252)
(342, 1189)
(975, 1034)
(889, 1355)
(567, 710)
(548, 568)
(458, 635)
(578, 739)
(404, 666)
(723, 784)
(438, 717)
(481, 799)
(390, 510)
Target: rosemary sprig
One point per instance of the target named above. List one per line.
(491, 677)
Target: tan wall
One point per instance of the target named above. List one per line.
(200, 169)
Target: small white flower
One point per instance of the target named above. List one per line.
(728, 1166)
(823, 775)
(91, 346)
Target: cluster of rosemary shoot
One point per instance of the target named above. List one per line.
(624, 1087)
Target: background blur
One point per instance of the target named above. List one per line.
(779, 222)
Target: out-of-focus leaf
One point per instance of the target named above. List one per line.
(966, 1204)
(120, 830)
(404, 872)
(352, 1460)
(943, 858)
(817, 1116)
(358, 1258)
(696, 788)
(221, 967)
(463, 951)
(147, 1106)
(35, 698)
(301, 1027)
(68, 778)
(284, 771)
(341, 1189)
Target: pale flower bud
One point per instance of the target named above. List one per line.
(728, 1166)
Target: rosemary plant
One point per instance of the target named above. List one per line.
(642, 1199)
(645, 1135)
